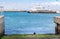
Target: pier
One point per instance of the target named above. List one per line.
(57, 22)
(2, 25)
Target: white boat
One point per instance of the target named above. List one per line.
(40, 9)
(57, 11)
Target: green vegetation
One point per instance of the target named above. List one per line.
(28, 36)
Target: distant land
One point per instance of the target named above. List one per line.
(57, 11)
(16, 10)
(20, 10)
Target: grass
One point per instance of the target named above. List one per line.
(28, 36)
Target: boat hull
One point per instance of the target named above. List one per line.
(42, 11)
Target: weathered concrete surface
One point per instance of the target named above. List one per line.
(39, 38)
(57, 19)
(57, 22)
(1, 25)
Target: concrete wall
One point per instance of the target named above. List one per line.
(57, 22)
(2, 25)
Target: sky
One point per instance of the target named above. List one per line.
(27, 4)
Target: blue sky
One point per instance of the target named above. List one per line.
(26, 4)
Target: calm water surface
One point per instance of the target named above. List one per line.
(25, 23)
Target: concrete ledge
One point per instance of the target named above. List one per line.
(57, 22)
(57, 19)
(2, 25)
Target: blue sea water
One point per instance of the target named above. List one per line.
(28, 23)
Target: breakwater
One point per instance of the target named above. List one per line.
(2, 25)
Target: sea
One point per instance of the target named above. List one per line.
(28, 23)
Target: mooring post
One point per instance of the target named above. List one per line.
(57, 22)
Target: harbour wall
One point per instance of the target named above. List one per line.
(57, 22)
(2, 25)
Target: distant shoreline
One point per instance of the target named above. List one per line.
(29, 11)
(15, 11)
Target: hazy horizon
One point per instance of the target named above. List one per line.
(27, 4)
